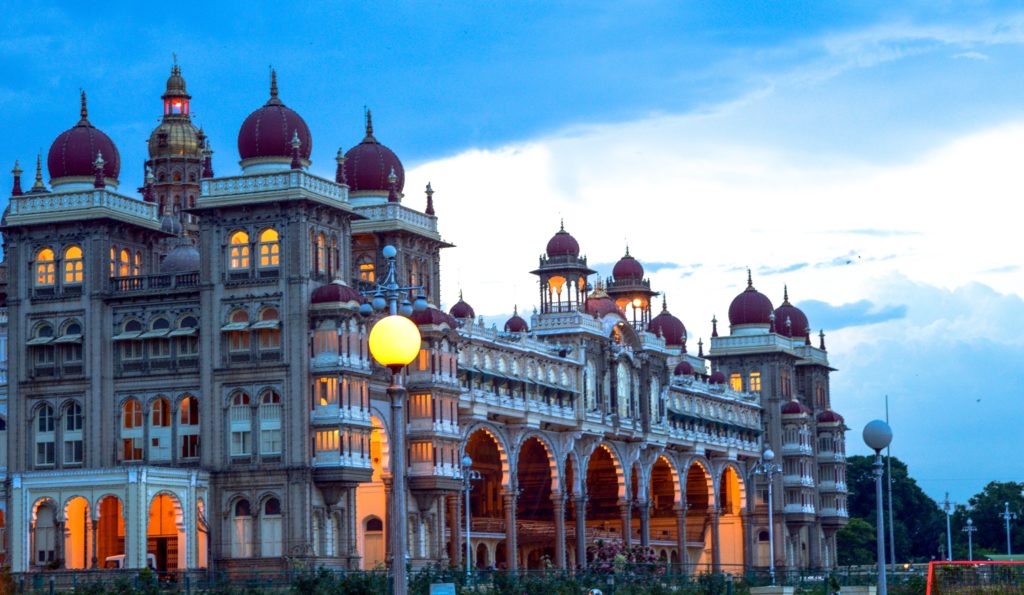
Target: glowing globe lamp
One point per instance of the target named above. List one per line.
(395, 341)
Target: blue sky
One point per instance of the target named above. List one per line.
(865, 154)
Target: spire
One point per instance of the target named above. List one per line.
(664, 303)
(39, 186)
(430, 206)
(393, 187)
(273, 89)
(627, 250)
(16, 188)
(147, 190)
(296, 143)
(339, 173)
(84, 111)
(369, 126)
(785, 295)
(714, 326)
(561, 224)
(821, 335)
(700, 347)
(807, 336)
(207, 160)
(750, 280)
(97, 167)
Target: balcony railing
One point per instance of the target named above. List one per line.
(166, 282)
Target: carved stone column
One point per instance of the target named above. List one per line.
(581, 531)
(511, 543)
(389, 517)
(684, 557)
(645, 523)
(558, 505)
(626, 510)
(716, 551)
(454, 521)
(92, 531)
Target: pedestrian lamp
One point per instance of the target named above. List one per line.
(468, 475)
(767, 467)
(969, 530)
(1008, 516)
(878, 435)
(948, 508)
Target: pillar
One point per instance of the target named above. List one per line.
(92, 532)
(684, 558)
(716, 552)
(439, 526)
(645, 523)
(389, 517)
(511, 543)
(558, 505)
(581, 531)
(454, 518)
(814, 545)
(626, 510)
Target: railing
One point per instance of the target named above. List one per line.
(397, 212)
(270, 182)
(69, 202)
(154, 282)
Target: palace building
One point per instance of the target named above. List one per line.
(187, 384)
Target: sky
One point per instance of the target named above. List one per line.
(864, 154)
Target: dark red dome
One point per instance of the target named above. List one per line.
(516, 324)
(669, 327)
(684, 368)
(717, 377)
(73, 153)
(335, 292)
(563, 244)
(600, 307)
(433, 316)
(368, 165)
(794, 407)
(829, 417)
(628, 268)
(268, 131)
(750, 307)
(461, 309)
(798, 324)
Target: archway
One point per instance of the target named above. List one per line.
(699, 493)
(110, 533)
(485, 501)
(481, 556)
(44, 533)
(534, 509)
(165, 540)
(730, 521)
(77, 542)
(663, 497)
(372, 501)
(605, 485)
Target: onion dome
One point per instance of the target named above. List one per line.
(794, 407)
(669, 327)
(335, 292)
(717, 377)
(750, 307)
(433, 317)
(683, 368)
(74, 152)
(798, 325)
(563, 244)
(368, 165)
(599, 303)
(461, 309)
(184, 258)
(266, 135)
(628, 268)
(516, 324)
(829, 417)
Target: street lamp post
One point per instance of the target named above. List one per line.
(1008, 516)
(468, 475)
(768, 468)
(395, 342)
(878, 435)
(969, 530)
(949, 536)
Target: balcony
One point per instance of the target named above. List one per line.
(798, 509)
(793, 449)
(832, 486)
(804, 481)
(161, 283)
(94, 203)
(268, 187)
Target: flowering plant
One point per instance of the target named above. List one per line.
(615, 557)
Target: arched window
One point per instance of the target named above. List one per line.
(160, 416)
(74, 266)
(321, 253)
(270, 423)
(70, 342)
(46, 268)
(131, 346)
(269, 249)
(241, 424)
(241, 535)
(160, 430)
(238, 252)
(238, 331)
(43, 351)
(44, 534)
(188, 427)
(137, 264)
(269, 329)
(73, 451)
(159, 342)
(131, 430)
(187, 336)
(113, 261)
(270, 528)
(367, 271)
(46, 436)
(124, 263)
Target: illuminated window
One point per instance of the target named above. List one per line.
(239, 251)
(241, 424)
(326, 391)
(160, 417)
(131, 414)
(131, 430)
(755, 382)
(327, 441)
(736, 382)
(188, 428)
(46, 268)
(73, 265)
(137, 266)
(124, 264)
(269, 249)
(113, 261)
(321, 253)
(366, 272)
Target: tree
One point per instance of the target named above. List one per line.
(985, 509)
(919, 526)
(856, 543)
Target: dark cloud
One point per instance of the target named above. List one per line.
(826, 316)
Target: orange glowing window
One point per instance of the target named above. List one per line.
(269, 248)
(239, 251)
(73, 265)
(46, 268)
(736, 382)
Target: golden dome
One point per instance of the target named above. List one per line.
(174, 138)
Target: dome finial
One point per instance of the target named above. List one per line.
(16, 187)
(821, 335)
(561, 224)
(700, 347)
(273, 83)
(39, 186)
(714, 325)
(369, 123)
(664, 303)
(430, 203)
(627, 248)
(785, 294)
(750, 279)
(207, 160)
(85, 110)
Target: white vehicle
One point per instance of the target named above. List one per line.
(117, 562)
